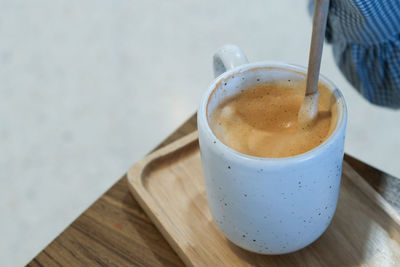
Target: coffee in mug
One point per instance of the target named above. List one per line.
(262, 120)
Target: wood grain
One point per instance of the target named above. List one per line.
(170, 187)
(123, 234)
(385, 184)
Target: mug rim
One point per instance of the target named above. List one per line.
(341, 116)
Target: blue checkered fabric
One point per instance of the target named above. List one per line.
(365, 35)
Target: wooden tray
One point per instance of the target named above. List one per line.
(169, 186)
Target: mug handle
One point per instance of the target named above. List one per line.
(228, 57)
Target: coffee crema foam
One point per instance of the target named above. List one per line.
(262, 120)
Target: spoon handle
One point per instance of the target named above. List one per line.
(317, 42)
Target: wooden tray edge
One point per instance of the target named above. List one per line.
(138, 190)
(370, 192)
(155, 213)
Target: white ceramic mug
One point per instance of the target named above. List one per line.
(268, 205)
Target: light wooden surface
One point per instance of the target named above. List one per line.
(317, 44)
(169, 185)
(308, 112)
(114, 230)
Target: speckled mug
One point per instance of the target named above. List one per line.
(268, 205)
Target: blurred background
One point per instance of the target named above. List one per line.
(89, 87)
